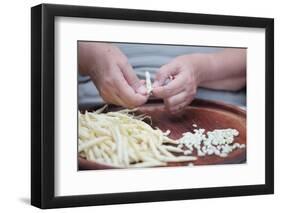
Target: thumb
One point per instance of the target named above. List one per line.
(133, 80)
(164, 73)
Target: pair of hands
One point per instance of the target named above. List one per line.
(117, 83)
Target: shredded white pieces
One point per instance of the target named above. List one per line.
(219, 142)
(148, 83)
(123, 140)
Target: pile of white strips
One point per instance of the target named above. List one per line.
(121, 139)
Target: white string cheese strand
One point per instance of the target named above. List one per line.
(148, 83)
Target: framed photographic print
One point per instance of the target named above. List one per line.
(140, 106)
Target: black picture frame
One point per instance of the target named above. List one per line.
(43, 105)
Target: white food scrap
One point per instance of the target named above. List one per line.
(148, 83)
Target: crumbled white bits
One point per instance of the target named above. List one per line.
(219, 142)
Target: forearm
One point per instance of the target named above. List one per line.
(226, 84)
(88, 53)
(222, 70)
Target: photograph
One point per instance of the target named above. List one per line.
(133, 106)
(147, 105)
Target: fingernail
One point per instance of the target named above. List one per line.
(142, 90)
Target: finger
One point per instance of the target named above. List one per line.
(176, 99)
(132, 79)
(113, 98)
(107, 93)
(142, 82)
(142, 89)
(127, 94)
(163, 74)
(180, 107)
(120, 101)
(172, 88)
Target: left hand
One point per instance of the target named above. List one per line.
(181, 90)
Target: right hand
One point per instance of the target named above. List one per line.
(111, 73)
(178, 93)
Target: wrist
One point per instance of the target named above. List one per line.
(195, 61)
(201, 65)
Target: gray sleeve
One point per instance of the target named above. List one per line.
(83, 78)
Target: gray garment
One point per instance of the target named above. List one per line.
(145, 57)
(150, 57)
